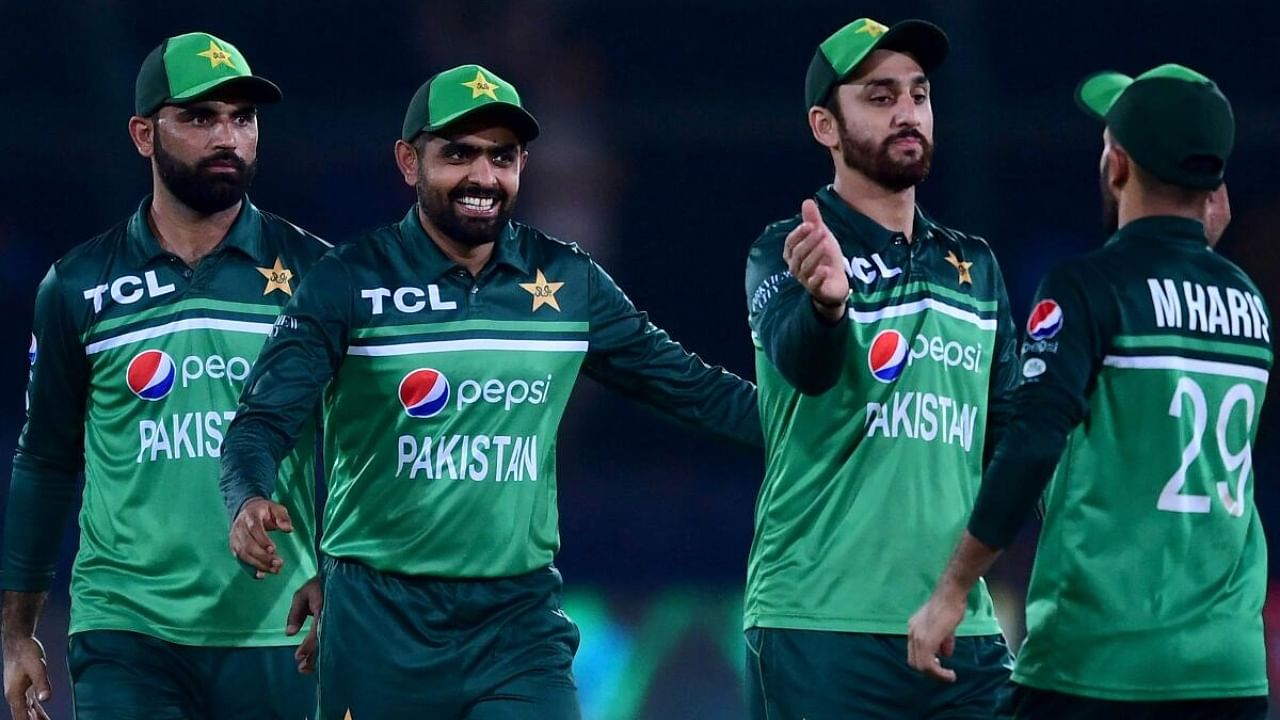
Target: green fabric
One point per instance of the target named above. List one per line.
(868, 482)
(128, 676)
(1048, 705)
(447, 394)
(499, 649)
(1162, 418)
(139, 362)
(185, 67)
(1173, 121)
(461, 92)
(812, 674)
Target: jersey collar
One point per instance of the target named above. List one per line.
(853, 225)
(1162, 228)
(435, 263)
(244, 235)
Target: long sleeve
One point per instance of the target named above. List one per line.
(305, 348)
(808, 352)
(627, 353)
(1059, 369)
(42, 490)
(1005, 373)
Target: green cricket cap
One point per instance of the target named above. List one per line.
(1173, 121)
(185, 68)
(463, 92)
(838, 56)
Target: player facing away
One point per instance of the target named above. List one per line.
(885, 355)
(1146, 363)
(450, 342)
(142, 339)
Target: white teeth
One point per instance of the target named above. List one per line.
(475, 203)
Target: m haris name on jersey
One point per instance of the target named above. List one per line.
(1208, 309)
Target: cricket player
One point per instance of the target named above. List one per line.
(885, 355)
(1146, 363)
(450, 342)
(143, 337)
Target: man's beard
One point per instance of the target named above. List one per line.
(471, 232)
(207, 192)
(877, 164)
(1110, 207)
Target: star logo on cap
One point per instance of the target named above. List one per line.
(481, 86)
(961, 266)
(873, 28)
(217, 56)
(278, 277)
(543, 292)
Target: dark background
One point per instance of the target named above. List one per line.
(672, 133)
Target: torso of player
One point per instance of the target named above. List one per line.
(1152, 546)
(868, 485)
(168, 348)
(441, 420)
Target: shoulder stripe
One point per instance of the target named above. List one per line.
(1174, 362)
(177, 327)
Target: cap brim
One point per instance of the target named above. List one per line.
(250, 87)
(924, 41)
(504, 113)
(1097, 93)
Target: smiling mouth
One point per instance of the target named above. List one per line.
(476, 206)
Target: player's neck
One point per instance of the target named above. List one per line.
(893, 209)
(1136, 206)
(184, 232)
(473, 258)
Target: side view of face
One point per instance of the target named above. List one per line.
(205, 153)
(467, 183)
(881, 121)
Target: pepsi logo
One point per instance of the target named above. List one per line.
(151, 374)
(1045, 321)
(888, 355)
(424, 393)
(31, 350)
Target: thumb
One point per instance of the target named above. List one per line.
(281, 518)
(809, 213)
(40, 684)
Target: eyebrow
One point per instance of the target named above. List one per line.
(892, 83)
(472, 149)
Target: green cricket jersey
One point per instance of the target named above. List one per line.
(1146, 364)
(447, 393)
(874, 427)
(137, 362)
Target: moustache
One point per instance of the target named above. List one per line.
(906, 134)
(225, 157)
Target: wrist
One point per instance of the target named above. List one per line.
(832, 313)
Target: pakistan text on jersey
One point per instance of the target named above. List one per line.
(925, 417)
(500, 458)
(1241, 314)
(182, 436)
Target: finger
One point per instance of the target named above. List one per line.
(949, 646)
(257, 534)
(299, 609)
(40, 687)
(280, 516)
(254, 554)
(810, 247)
(809, 213)
(939, 673)
(38, 712)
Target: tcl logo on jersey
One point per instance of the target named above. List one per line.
(868, 270)
(1045, 321)
(890, 354)
(128, 289)
(31, 350)
(424, 393)
(152, 374)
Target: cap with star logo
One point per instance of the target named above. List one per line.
(838, 56)
(185, 68)
(466, 91)
(1174, 122)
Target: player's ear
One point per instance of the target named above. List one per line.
(1121, 167)
(825, 127)
(407, 161)
(142, 133)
